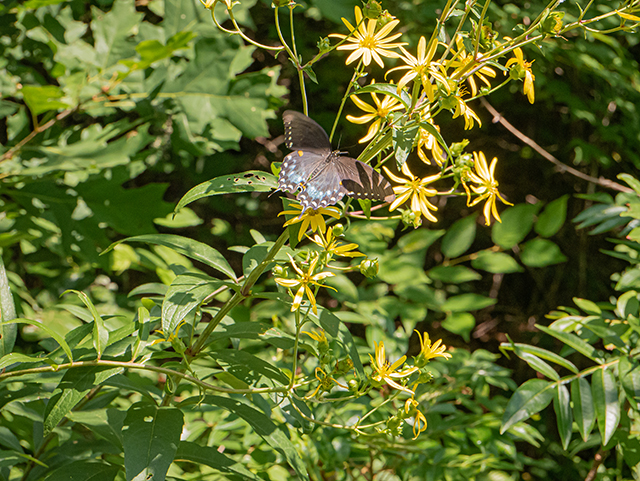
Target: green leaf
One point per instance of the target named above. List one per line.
(631, 386)
(429, 127)
(459, 236)
(552, 217)
(251, 181)
(496, 263)
(574, 342)
(106, 423)
(264, 427)
(84, 471)
(467, 302)
(386, 89)
(8, 332)
(418, 240)
(210, 456)
(530, 398)
(100, 333)
(453, 274)
(188, 247)
(403, 140)
(113, 32)
(631, 181)
(185, 294)
(43, 99)
(541, 353)
(537, 364)
(74, 386)
(57, 337)
(252, 370)
(605, 395)
(150, 436)
(19, 358)
(541, 253)
(461, 323)
(587, 306)
(562, 407)
(628, 305)
(516, 224)
(583, 410)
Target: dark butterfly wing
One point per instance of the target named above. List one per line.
(361, 181)
(302, 132)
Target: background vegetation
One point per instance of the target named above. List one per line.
(110, 112)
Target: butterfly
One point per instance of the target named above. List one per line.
(324, 176)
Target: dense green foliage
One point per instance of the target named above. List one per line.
(144, 332)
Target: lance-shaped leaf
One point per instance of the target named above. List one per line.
(607, 407)
(583, 410)
(386, 89)
(562, 407)
(185, 294)
(150, 436)
(532, 397)
(100, 333)
(74, 386)
(58, 338)
(209, 456)
(8, 332)
(541, 353)
(252, 181)
(573, 341)
(185, 246)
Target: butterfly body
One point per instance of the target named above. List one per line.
(322, 176)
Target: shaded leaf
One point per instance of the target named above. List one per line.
(607, 408)
(583, 410)
(562, 407)
(530, 398)
(459, 236)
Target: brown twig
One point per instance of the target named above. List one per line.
(597, 461)
(497, 117)
(9, 153)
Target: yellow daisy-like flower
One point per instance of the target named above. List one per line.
(420, 66)
(416, 189)
(310, 217)
(522, 69)
(428, 351)
(387, 372)
(330, 245)
(486, 188)
(463, 62)
(427, 142)
(378, 113)
(419, 420)
(366, 42)
(326, 383)
(304, 280)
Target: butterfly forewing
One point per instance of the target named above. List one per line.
(302, 132)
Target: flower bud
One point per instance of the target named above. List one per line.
(411, 218)
(279, 271)
(343, 366)
(369, 268)
(372, 10)
(338, 230)
(353, 385)
(324, 45)
(552, 24)
(384, 19)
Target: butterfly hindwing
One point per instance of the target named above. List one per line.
(362, 181)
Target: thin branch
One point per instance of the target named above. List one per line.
(497, 117)
(597, 461)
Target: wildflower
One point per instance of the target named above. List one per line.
(326, 382)
(331, 246)
(366, 42)
(522, 69)
(419, 420)
(428, 351)
(452, 100)
(486, 188)
(386, 372)
(428, 142)
(379, 112)
(310, 217)
(304, 280)
(419, 67)
(463, 62)
(416, 189)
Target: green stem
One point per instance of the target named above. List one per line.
(356, 74)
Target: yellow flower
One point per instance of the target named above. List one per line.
(310, 217)
(379, 113)
(463, 62)
(452, 100)
(522, 69)
(326, 382)
(386, 372)
(428, 351)
(428, 142)
(366, 42)
(304, 280)
(486, 188)
(419, 67)
(416, 189)
(419, 420)
(331, 246)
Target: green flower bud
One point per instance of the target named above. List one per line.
(369, 268)
(384, 19)
(552, 25)
(411, 218)
(279, 271)
(338, 230)
(372, 10)
(343, 366)
(324, 44)
(353, 385)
